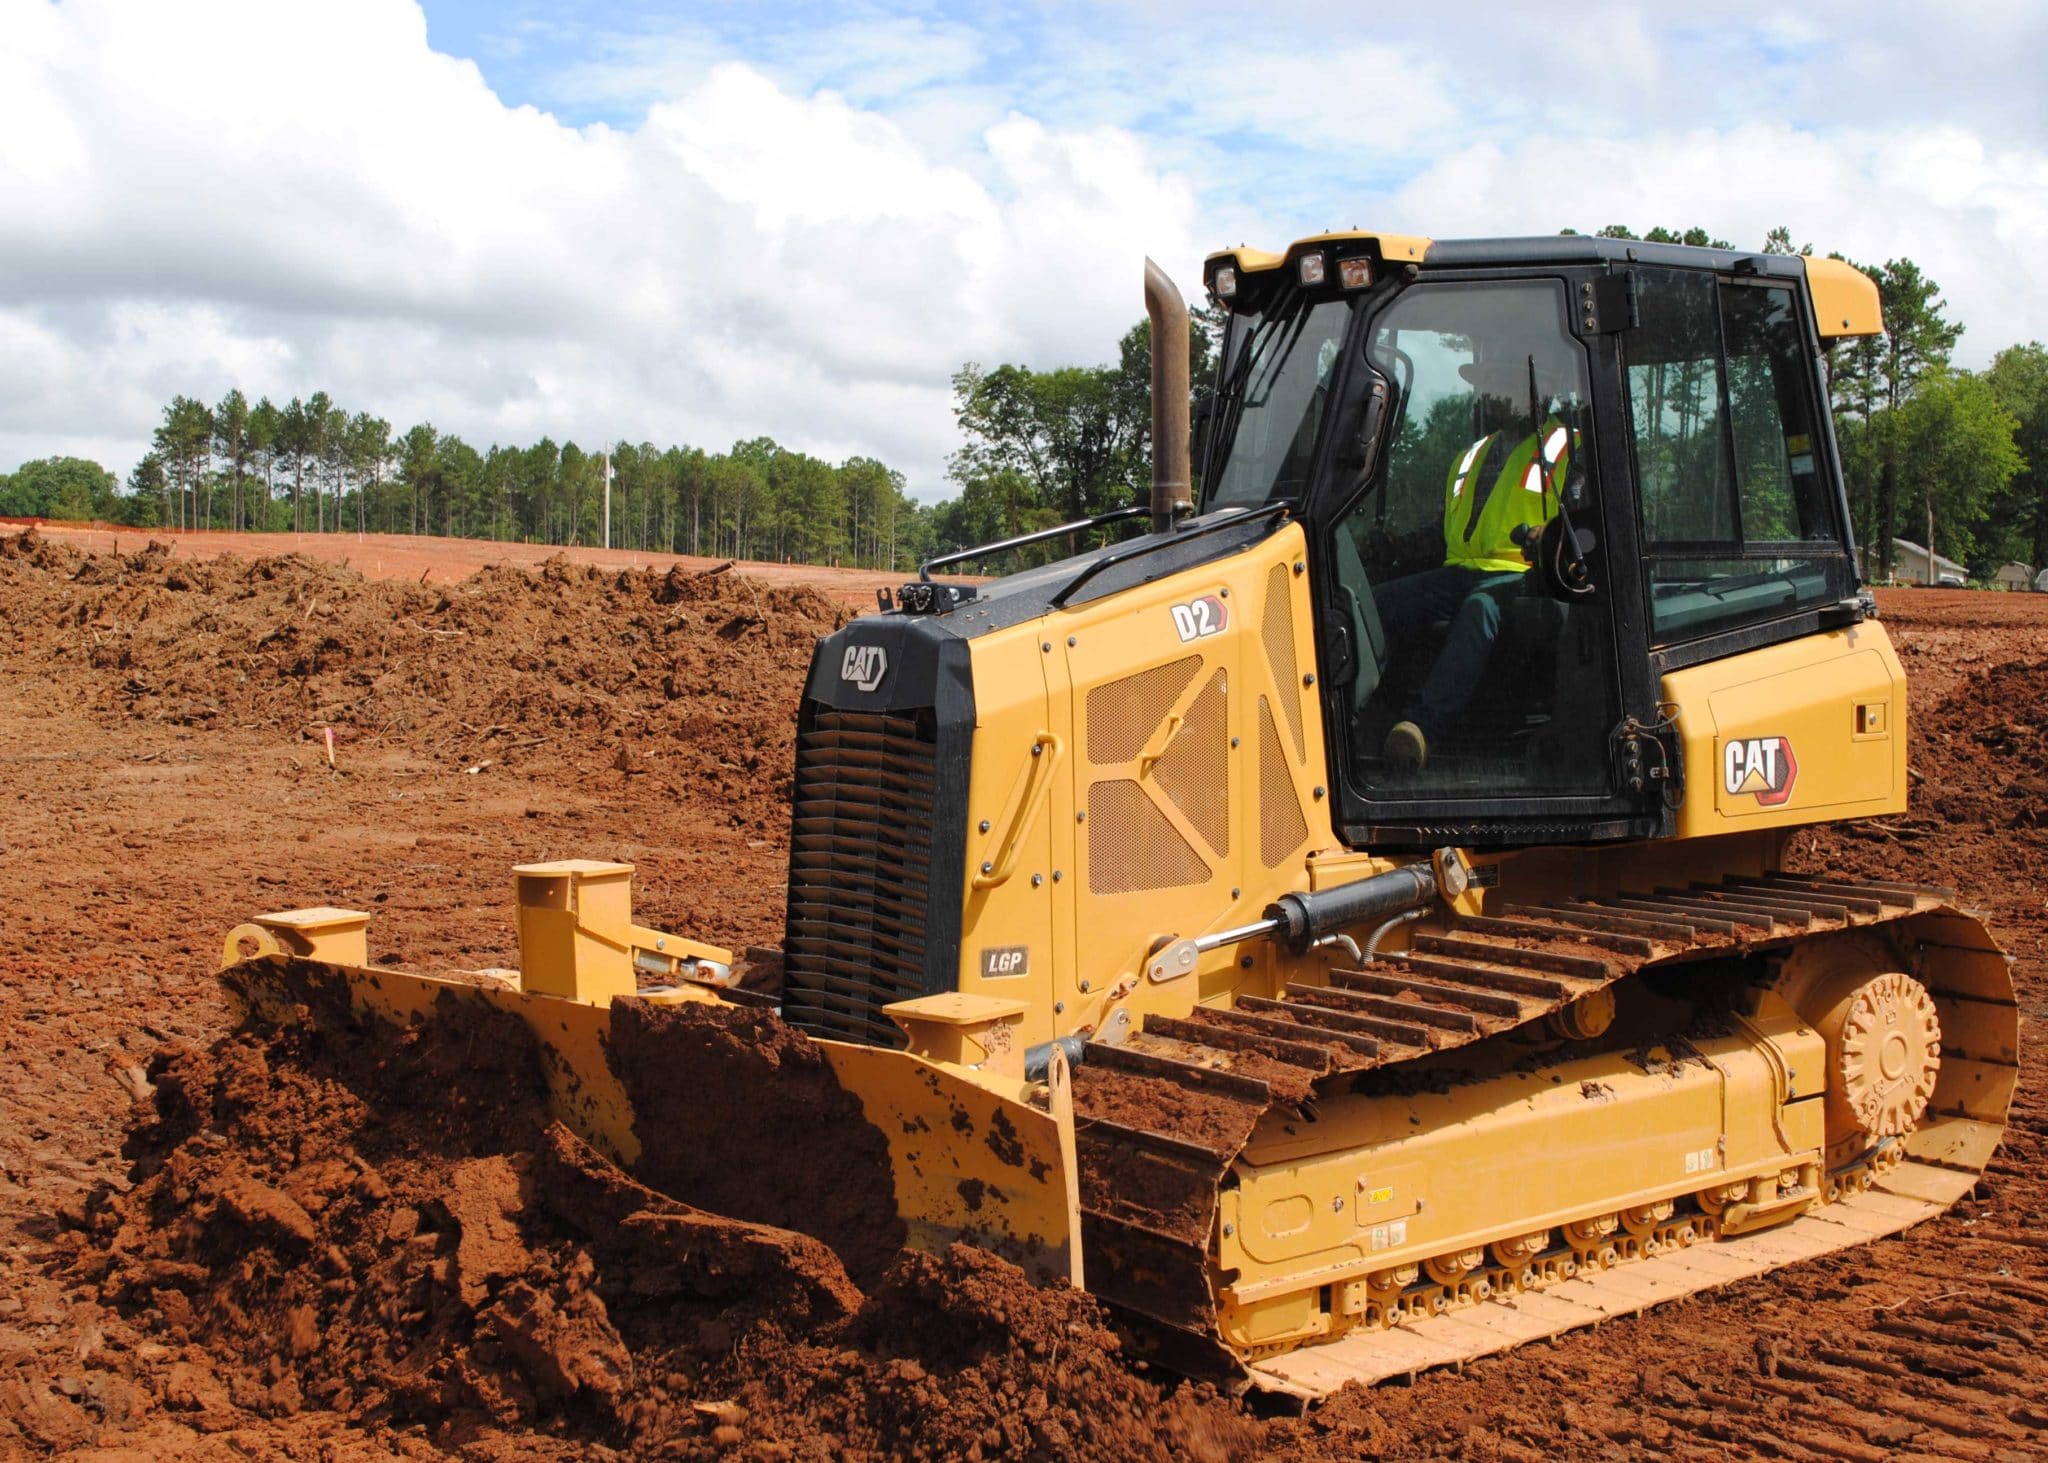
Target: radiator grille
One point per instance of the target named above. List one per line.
(859, 872)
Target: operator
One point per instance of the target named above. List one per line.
(1498, 495)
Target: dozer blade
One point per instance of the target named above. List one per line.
(717, 1103)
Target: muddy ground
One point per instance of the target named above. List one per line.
(324, 1248)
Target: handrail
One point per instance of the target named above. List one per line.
(959, 556)
(1181, 535)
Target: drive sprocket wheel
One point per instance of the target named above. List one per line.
(1883, 1038)
(1890, 1054)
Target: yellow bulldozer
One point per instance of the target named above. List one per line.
(1347, 927)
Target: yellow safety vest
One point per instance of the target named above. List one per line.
(1520, 495)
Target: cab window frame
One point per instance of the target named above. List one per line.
(1672, 647)
(1363, 820)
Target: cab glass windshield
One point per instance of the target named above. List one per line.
(1273, 389)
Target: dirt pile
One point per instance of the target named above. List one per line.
(1984, 750)
(692, 676)
(332, 1243)
(957, 1357)
(1978, 792)
(311, 1238)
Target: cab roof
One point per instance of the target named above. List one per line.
(1845, 301)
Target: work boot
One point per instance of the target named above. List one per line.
(1407, 748)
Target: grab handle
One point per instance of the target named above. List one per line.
(1020, 814)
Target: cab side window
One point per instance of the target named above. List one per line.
(1739, 520)
(1473, 681)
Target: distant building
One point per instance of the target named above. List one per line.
(2041, 581)
(1909, 564)
(2014, 576)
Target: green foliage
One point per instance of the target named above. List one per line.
(58, 487)
(1051, 447)
(1954, 441)
(313, 466)
(1779, 241)
(2019, 518)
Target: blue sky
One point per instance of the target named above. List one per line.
(703, 223)
(1273, 113)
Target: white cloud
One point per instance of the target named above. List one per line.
(1969, 215)
(801, 220)
(292, 198)
(1872, 131)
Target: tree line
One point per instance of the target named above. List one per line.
(1924, 444)
(1043, 447)
(313, 466)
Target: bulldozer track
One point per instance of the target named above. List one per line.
(1901, 1197)
(1149, 1188)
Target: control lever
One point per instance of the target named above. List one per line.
(1558, 552)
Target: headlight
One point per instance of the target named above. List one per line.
(1225, 283)
(1354, 274)
(1312, 270)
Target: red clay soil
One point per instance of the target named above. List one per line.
(333, 1253)
(243, 1244)
(428, 560)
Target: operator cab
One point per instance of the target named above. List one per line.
(1534, 474)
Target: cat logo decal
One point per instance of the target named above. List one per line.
(1762, 767)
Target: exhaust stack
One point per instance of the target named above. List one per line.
(1170, 437)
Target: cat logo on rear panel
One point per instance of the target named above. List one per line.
(1759, 767)
(1200, 617)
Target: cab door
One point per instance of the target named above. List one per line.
(1470, 699)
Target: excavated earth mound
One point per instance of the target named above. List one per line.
(683, 675)
(324, 1238)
